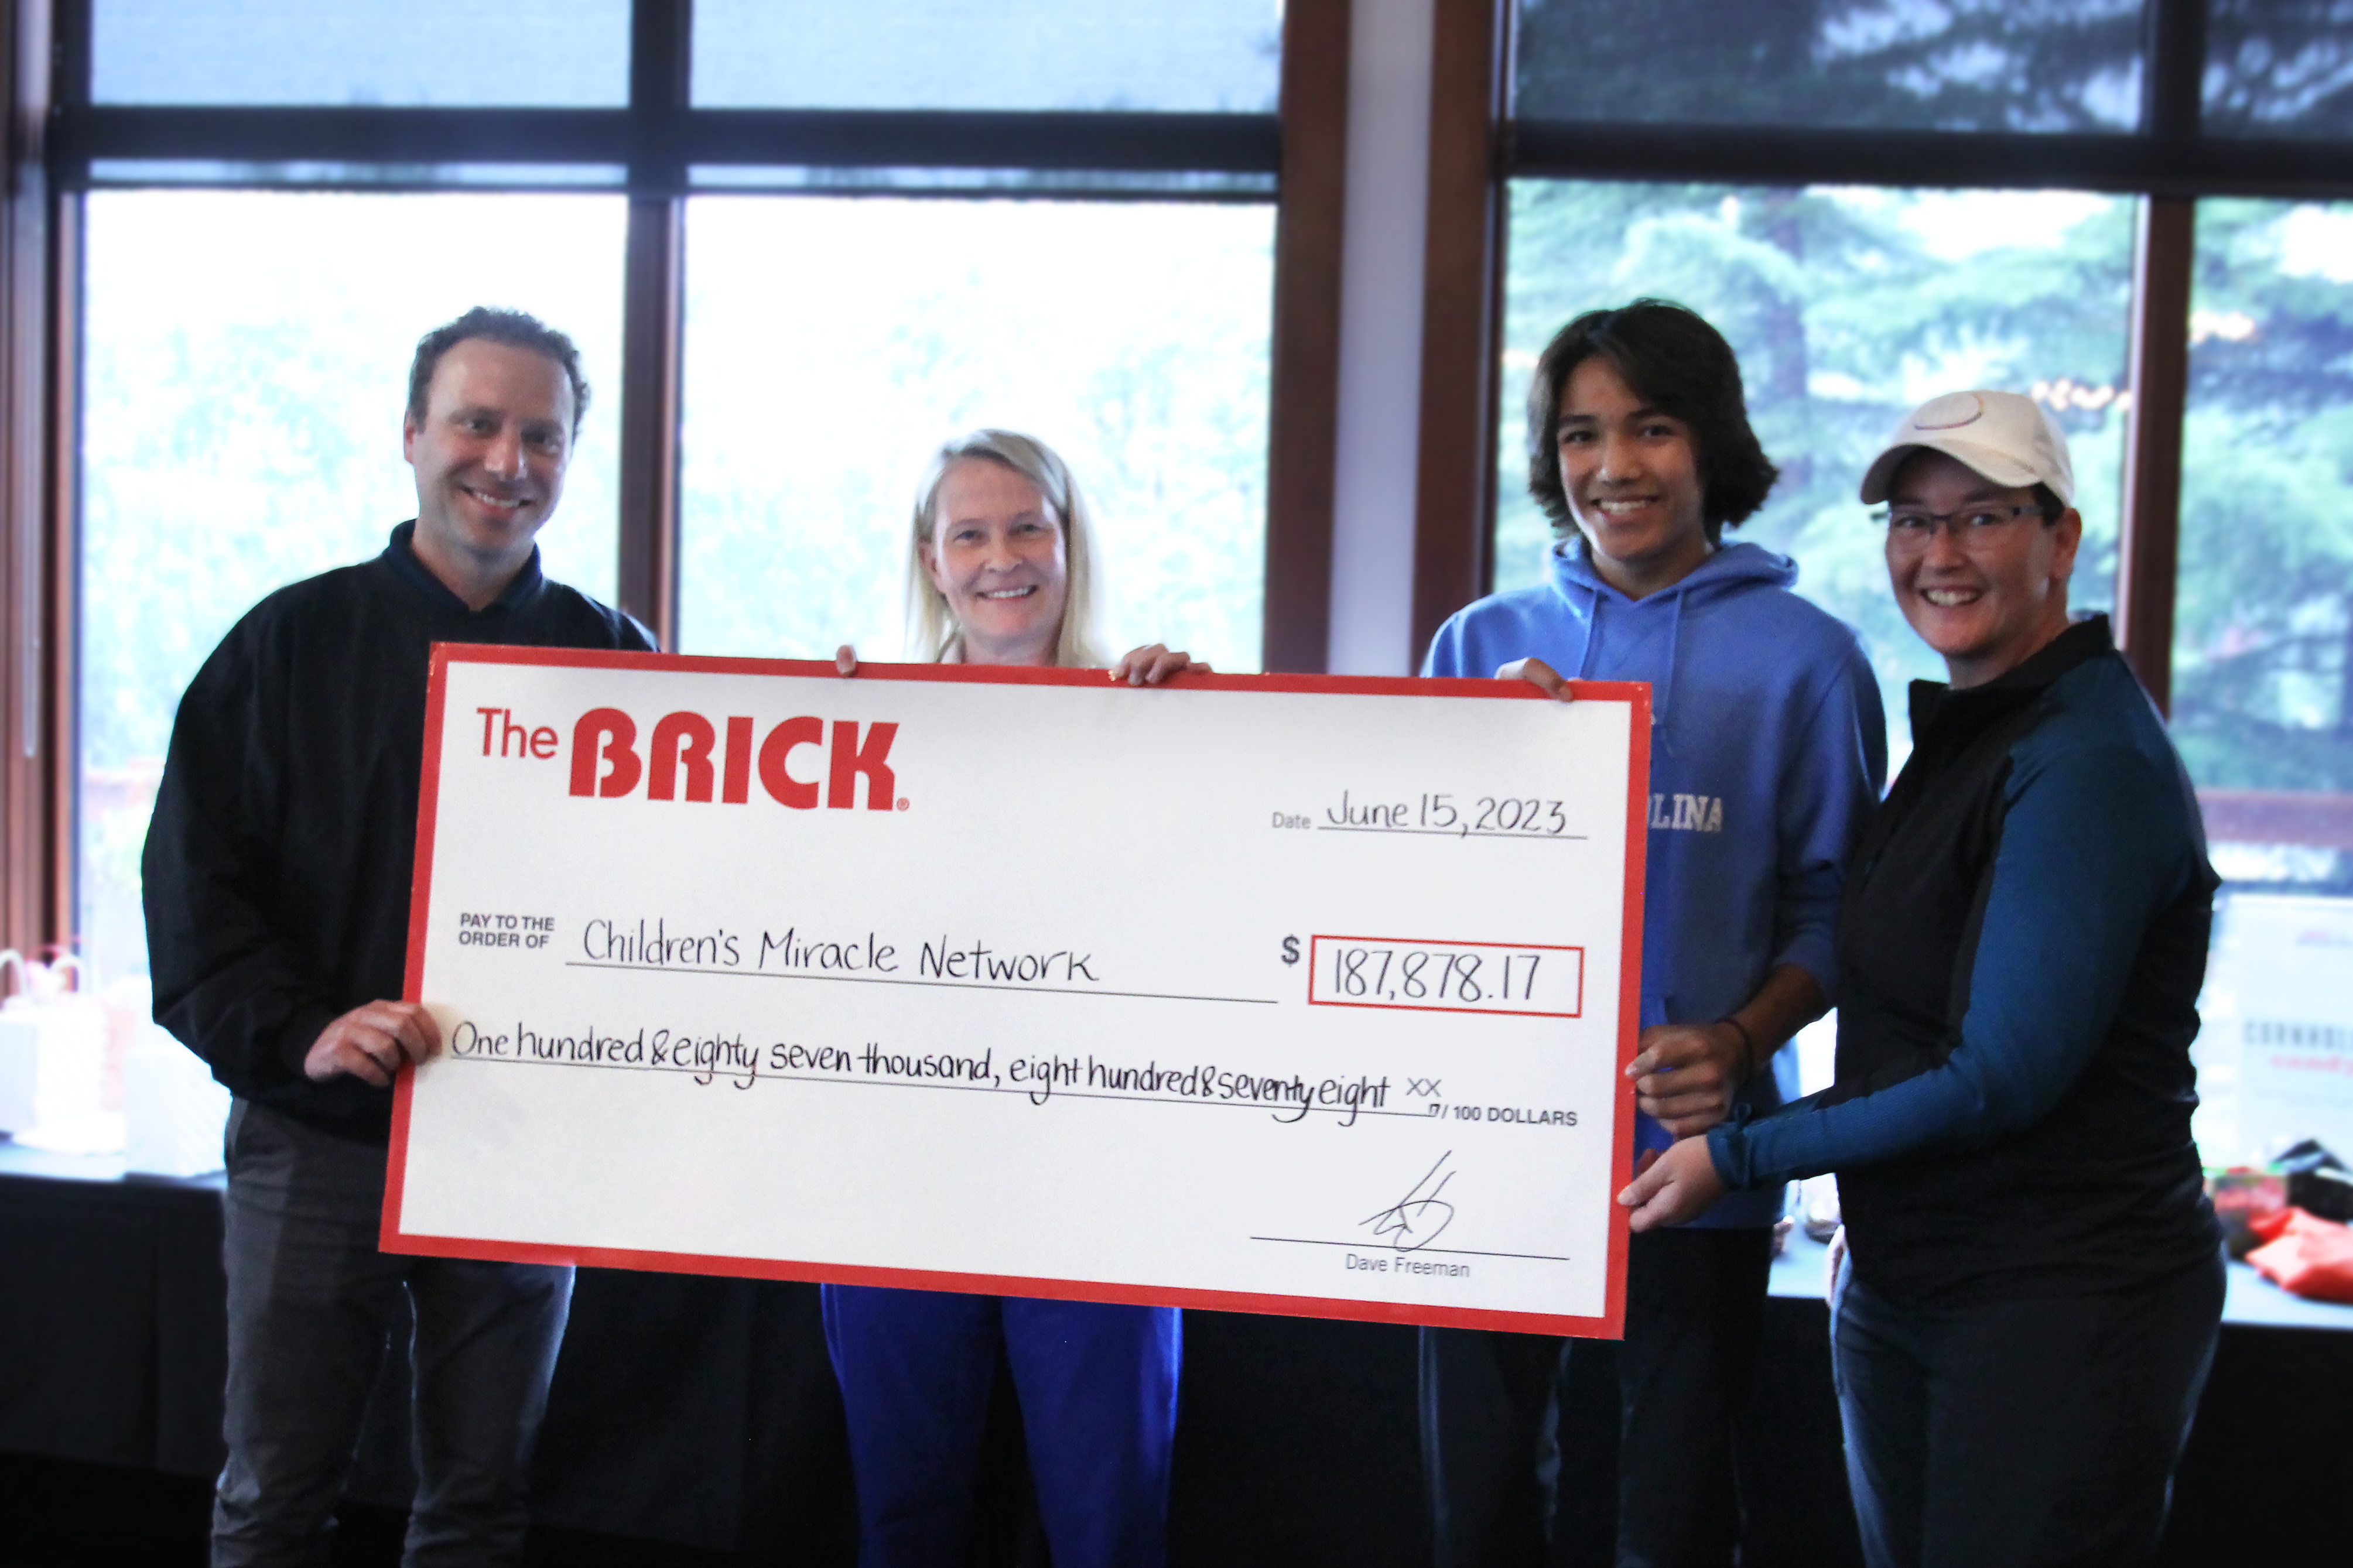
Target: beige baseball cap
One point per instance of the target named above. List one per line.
(2006, 438)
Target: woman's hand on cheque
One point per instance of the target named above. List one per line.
(1153, 664)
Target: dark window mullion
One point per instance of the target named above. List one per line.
(2175, 60)
(657, 146)
(2165, 248)
(276, 134)
(653, 315)
(61, 613)
(2158, 375)
(69, 84)
(1785, 156)
(662, 36)
(652, 324)
(1238, 144)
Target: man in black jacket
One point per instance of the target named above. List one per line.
(277, 871)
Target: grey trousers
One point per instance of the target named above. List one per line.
(311, 1304)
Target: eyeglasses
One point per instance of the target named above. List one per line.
(1911, 528)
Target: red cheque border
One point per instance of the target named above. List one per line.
(1629, 972)
(1610, 1325)
(420, 908)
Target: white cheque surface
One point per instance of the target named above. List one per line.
(1294, 1001)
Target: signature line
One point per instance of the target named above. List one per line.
(1373, 1246)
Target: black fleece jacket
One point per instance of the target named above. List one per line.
(278, 863)
(2021, 947)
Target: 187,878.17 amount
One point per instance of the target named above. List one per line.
(1525, 979)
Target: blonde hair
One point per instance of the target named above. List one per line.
(933, 632)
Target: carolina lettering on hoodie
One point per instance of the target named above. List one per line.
(1687, 813)
(1767, 747)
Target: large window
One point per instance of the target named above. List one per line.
(1975, 65)
(2262, 662)
(833, 344)
(1212, 55)
(828, 236)
(1880, 201)
(553, 52)
(1848, 307)
(2279, 67)
(246, 365)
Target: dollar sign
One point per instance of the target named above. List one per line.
(1290, 950)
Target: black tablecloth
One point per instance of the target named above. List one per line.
(703, 1411)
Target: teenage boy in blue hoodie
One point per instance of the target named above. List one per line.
(1767, 749)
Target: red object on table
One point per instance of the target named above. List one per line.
(2305, 1255)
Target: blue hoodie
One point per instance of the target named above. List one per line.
(1767, 749)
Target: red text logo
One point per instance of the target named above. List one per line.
(687, 757)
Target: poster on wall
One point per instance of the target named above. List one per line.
(2293, 962)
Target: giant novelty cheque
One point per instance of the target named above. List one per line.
(1270, 994)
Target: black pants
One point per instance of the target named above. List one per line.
(2018, 1433)
(1491, 1405)
(311, 1300)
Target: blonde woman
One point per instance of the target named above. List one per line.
(1001, 572)
(1001, 565)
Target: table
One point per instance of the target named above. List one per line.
(703, 1411)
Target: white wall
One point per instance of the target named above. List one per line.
(1381, 338)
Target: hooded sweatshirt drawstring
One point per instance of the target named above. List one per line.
(1663, 691)
(1666, 689)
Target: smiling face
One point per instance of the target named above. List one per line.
(1987, 601)
(1630, 472)
(997, 555)
(490, 455)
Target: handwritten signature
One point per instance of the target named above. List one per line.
(1416, 1220)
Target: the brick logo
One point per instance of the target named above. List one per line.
(679, 760)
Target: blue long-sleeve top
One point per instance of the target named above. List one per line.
(2022, 941)
(1767, 753)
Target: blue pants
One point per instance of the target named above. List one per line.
(2011, 1434)
(1098, 1389)
(311, 1306)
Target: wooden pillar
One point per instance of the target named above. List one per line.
(1462, 290)
(2164, 265)
(38, 269)
(1304, 382)
(2150, 552)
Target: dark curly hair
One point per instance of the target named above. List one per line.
(1674, 359)
(516, 330)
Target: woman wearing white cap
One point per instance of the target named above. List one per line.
(1002, 562)
(2033, 1288)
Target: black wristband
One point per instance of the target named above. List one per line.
(1748, 1045)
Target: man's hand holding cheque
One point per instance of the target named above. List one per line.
(373, 1042)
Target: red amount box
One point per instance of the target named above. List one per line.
(1524, 980)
